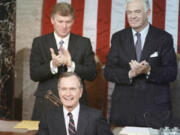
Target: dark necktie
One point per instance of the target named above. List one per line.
(138, 46)
(71, 128)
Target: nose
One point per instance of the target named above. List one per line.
(68, 92)
(64, 25)
(133, 15)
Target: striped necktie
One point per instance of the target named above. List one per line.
(60, 45)
(71, 128)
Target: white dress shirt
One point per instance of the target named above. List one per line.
(54, 70)
(144, 33)
(75, 114)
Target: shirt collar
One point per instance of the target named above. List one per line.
(74, 112)
(143, 32)
(58, 39)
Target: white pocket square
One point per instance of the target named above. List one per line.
(155, 54)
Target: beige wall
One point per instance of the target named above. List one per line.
(28, 26)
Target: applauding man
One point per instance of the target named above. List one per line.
(141, 63)
(58, 52)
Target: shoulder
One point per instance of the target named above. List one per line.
(44, 37)
(53, 112)
(43, 40)
(78, 37)
(157, 32)
(122, 33)
(80, 42)
(91, 111)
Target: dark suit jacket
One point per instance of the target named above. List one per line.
(144, 94)
(90, 122)
(81, 53)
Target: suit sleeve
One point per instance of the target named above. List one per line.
(86, 67)
(116, 71)
(39, 62)
(103, 128)
(164, 67)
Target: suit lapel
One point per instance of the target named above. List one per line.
(82, 121)
(59, 117)
(72, 45)
(148, 45)
(130, 44)
(52, 43)
(49, 42)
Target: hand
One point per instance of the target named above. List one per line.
(146, 67)
(138, 68)
(132, 73)
(135, 67)
(67, 56)
(56, 59)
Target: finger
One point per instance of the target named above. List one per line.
(130, 64)
(60, 53)
(63, 49)
(143, 62)
(52, 52)
(135, 62)
(65, 52)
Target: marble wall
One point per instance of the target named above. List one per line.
(7, 46)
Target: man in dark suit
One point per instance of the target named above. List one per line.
(72, 118)
(142, 68)
(59, 52)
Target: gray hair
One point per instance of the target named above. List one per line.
(69, 74)
(145, 2)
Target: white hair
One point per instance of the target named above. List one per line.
(145, 2)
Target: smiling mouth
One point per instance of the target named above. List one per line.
(68, 99)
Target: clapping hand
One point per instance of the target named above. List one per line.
(138, 68)
(67, 56)
(63, 57)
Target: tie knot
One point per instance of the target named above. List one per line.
(138, 34)
(70, 114)
(61, 42)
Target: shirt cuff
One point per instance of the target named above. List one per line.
(54, 70)
(130, 79)
(72, 68)
(148, 74)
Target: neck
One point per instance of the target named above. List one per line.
(141, 28)
(70, 108)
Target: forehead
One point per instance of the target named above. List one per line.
(69, 82)
(135, 5)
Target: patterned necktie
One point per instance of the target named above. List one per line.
(138, 46)
(60, 45)
(60, 49)
(71, 128)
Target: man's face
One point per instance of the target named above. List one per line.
(62, 24)
(70, 92)
(136, 15)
